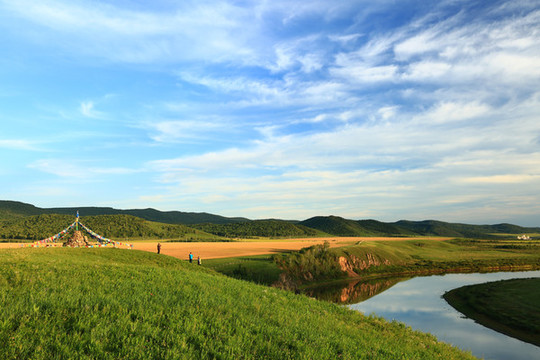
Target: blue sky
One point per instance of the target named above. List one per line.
(274, 109)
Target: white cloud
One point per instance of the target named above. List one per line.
(427, 71)
(503, 179)
(87, 109)
(19, 144)
(120, 34)
(75, 169)
(448, 112)
(361, 73)
(396, 161)
(185, 130)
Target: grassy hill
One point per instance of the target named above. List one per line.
(110, 226)
(125, 304)
(385, 229)
(338, 226)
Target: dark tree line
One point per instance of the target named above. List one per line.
(110, 226)
(258, 228)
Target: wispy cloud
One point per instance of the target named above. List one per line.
(77, 169)
(121, 34)
(196, 130)
(20, 144)
(87, 109)
(355, 107)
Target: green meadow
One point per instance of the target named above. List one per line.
(60, 303)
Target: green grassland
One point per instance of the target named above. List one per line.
(260, 269)
(508, 306)
(63, 303)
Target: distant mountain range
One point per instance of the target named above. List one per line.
(16, 209)
(343, 227)
(237, 226)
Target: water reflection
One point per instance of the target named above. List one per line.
(351, 292)
(418, 303)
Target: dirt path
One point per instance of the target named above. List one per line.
(213, 250)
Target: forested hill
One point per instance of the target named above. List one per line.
(260, 228)
(38, 227)
(339, 226)
(15, 209)
(11, 211)
(343, 227)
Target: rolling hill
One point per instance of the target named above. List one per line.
(338, 226)
(15, 209)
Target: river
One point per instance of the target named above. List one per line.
(418, 303)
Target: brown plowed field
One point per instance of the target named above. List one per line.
(213, 250)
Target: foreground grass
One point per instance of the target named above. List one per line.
(507, 306)
(120, 304)
(260, 269)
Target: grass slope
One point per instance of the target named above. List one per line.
(120, 304)
(508, 306)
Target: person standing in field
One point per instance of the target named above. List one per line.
(158, 248)
(190, 257)
(199, 260)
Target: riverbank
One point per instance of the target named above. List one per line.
(508, 306)
(405, 258)
(377, 259)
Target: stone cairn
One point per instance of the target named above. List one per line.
(77, 240)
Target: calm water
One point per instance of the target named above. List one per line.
(418, 303)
